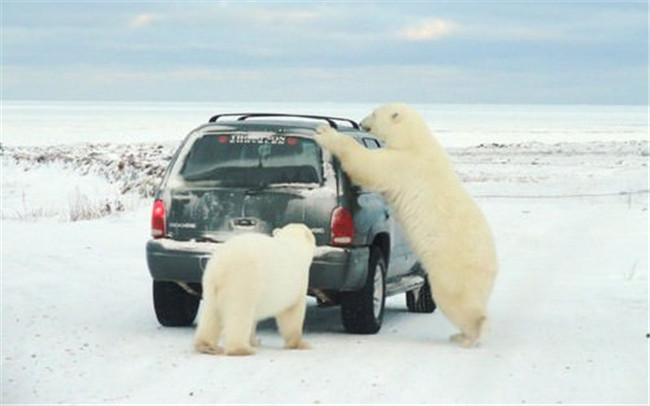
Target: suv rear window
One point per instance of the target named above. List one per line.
(253, 159)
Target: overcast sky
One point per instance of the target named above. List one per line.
(309, 51)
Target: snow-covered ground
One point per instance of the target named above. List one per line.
(569, 314)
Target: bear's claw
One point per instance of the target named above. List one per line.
(207, 348)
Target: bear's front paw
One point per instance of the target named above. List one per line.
(240, 351)
(207, 348)
(463, 340)
(298, 345)
(322, 129)
(326, 136)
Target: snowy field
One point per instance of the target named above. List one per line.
(569, 314)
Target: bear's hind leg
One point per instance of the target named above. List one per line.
(206, 338)
(470, 325)
(238, 329)
(290, 325)
(462, 311)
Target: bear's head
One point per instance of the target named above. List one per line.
(296, 231)
(398, 125)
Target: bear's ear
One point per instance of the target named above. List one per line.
(275, 232)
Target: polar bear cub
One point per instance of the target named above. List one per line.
(250, 278)
(444, 226)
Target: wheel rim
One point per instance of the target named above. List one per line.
(378, 293)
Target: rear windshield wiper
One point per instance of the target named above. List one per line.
(257, 189)
(203, 175)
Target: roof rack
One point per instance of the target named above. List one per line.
(330, 120)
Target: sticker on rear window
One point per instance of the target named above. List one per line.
(256, 138)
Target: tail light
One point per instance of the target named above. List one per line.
(158, 220)
(341, 227)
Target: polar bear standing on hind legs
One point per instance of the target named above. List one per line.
(445, 228)
(251, 278)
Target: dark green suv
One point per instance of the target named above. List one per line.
(254, 172)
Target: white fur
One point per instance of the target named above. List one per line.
(251, 278)
(444, 226)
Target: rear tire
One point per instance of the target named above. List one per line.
(421, 300)
(173, 305)
(362, 311)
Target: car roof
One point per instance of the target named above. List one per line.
(332, 121)
(303, 124)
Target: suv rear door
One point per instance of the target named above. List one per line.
(238, 181)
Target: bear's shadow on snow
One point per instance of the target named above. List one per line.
(328, 320)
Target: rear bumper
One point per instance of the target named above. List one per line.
(333, 268)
